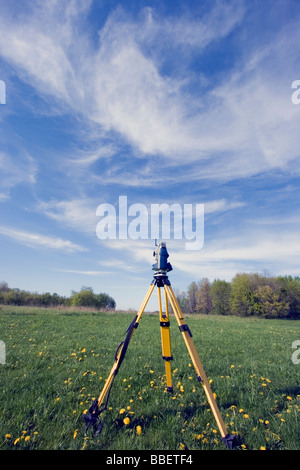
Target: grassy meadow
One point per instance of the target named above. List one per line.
(57, 362)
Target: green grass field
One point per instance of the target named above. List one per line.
(57, 362)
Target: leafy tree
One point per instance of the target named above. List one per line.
(84, 298)
(290, 292)
(270, 305)
(4, 287)
(192, 297)
(203, 298)
(87, 298)
(220, 296)
(182, 300)
(104, 301)
(241, 295)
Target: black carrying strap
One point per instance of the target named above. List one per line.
(92, 416)
(125, 344)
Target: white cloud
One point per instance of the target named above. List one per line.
(86, 273)
(35, 240)
(79, 214)
(221, 257)
(15, 171)
(238, 128)
(257, 250)
(220, 205)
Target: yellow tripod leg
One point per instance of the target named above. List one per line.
(165, 340)
(116, 364)
(196, 361)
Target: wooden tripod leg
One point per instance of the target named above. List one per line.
(165, 341)
(187, 336)
(116, 364)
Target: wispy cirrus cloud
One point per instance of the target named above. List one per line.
(36, 240)
(224, 130)
(85, 273)
(78, 214)
(239, 127)
(15, 171)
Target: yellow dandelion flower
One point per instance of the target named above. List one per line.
(16, 441)
(289, 398)
(27, 438)
(262, 448)
(246, 416)
(126, 421)
(7, 436)
(138, 430)
(122, 410)
(75, 433)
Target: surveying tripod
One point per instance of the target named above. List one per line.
(160, 281)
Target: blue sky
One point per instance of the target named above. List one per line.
(160, 101)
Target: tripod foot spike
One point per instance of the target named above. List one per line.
(231, 441)
(91, 418)
(170, 389)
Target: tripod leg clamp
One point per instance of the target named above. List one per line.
(185, 328)
(164, 323)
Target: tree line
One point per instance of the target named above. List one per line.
(246, 295)
(84, 298)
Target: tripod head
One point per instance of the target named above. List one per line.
(161, 256)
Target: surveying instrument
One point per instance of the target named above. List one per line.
(161, 267)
